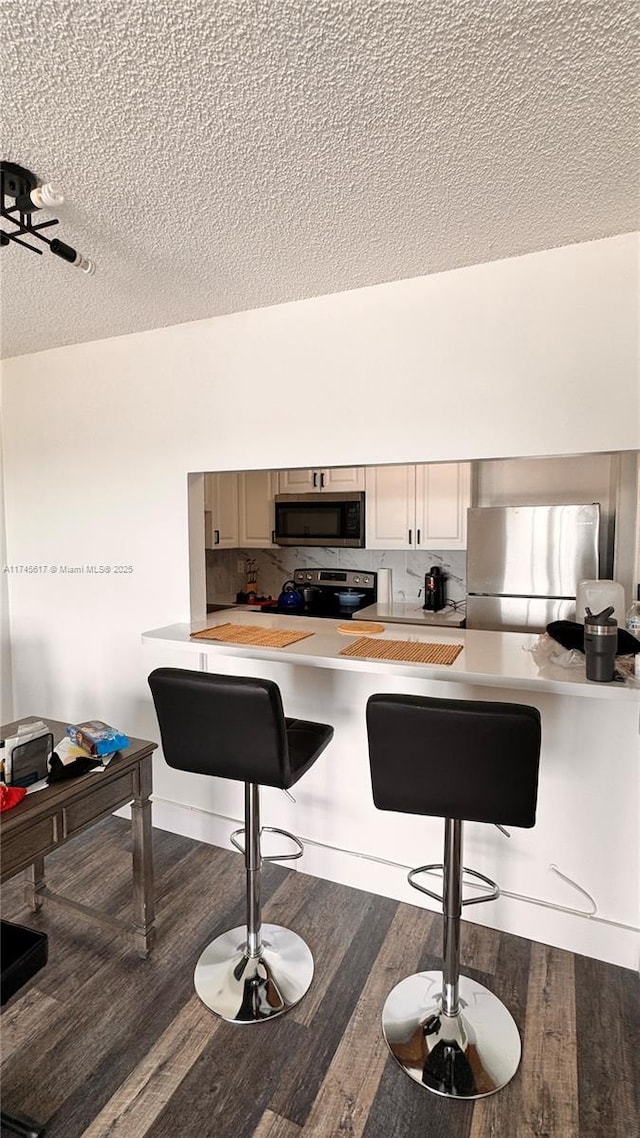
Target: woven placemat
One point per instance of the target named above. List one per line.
(250, 634)
(415, 651)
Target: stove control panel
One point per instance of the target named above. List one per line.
(332, 578)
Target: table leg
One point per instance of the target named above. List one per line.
(143, 891)
(33, 881)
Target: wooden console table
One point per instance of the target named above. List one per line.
(48, 818)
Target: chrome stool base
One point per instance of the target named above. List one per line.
(248, 989)
(468, 1055)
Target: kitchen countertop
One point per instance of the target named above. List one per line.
(407, 612)
(495, 659)
(219, 606)
(396, 613)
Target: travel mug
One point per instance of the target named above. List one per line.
(600, 644)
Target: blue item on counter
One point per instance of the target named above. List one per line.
(290, 598)
(97, 738)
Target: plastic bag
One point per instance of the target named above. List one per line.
(546, 650)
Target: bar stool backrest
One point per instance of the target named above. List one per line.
(227, 726)
(450, 758)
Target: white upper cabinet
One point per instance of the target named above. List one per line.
(418, 507)
(443, 495)
(337, 479)
(407, 507)
(256, 489)
(221, 511)
(390, 507)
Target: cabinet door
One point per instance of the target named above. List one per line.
(390, 507)
(298, 481)
(442, 499)
(337, 479)
(256, 490)
(221, 506)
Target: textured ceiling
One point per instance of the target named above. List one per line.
(219, 155)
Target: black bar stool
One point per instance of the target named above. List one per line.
(235, 727)
(457, 760)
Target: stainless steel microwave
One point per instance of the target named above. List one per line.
(320, 519)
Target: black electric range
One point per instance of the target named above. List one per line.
(320, 589)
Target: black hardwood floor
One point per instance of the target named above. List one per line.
(102, 1043)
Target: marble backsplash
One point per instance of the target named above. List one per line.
(226, 568)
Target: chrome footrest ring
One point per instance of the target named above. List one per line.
(422, 888)
(492, 896)
(233, 838)
(284, 834)
(235, 842)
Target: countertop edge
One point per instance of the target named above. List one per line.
(177, 637)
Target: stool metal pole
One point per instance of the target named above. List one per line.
(252, 860)
(452, 908)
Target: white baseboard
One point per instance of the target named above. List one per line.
(589, 936)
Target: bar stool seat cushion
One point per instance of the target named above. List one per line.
(461, 759)
(305, 740)
(233, 727)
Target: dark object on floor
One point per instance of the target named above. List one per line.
(570, 634)
(24, 952)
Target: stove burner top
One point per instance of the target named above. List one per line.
(326, 589)
(308, 610)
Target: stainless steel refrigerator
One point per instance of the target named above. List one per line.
(524, 564)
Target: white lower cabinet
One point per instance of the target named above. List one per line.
(418, 507)
(256, 490)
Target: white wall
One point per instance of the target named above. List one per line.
(6, 684)
(535, 355)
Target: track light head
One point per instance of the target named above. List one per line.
(71, 256)
(21, 185)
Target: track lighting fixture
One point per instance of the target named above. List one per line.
(21, 186)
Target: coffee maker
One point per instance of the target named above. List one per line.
(434, 589)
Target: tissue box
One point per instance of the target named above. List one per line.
(97, 738)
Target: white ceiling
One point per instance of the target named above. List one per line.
(219, 156)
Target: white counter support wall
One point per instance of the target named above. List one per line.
(588, 820)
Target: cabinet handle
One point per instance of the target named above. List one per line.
(410, 532)
(418, 538)
(322, 481)
(216, 537)
(315, 478)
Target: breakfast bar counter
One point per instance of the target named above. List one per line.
(503, 659)
(571, 881)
